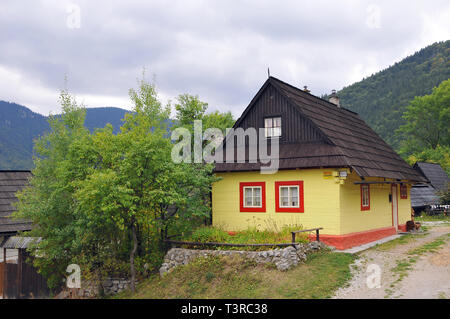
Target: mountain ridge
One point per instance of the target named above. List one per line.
(391, 89)
(19, 126)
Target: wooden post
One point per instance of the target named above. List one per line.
(5, 277)
(317, 235)
(19, 273)
(293, 238)
(4, 273)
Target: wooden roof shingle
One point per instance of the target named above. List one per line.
(10, 183)
(434, 173)
(348, 141)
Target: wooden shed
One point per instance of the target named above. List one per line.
(10, 183)
(18, 278)
(423, 196)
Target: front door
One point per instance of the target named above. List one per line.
(394, 206)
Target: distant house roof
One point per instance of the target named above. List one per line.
(423, 195)
(341, 137)
(10, 183)
(434, 173)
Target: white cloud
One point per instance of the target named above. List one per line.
(219, 50)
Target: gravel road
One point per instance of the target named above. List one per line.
(429, 277)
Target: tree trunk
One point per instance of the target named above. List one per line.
(132, 254)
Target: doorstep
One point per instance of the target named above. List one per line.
(357, 249)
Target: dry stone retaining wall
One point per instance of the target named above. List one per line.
(283, 259)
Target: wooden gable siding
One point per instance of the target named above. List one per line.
(10, 183)
(295, 128)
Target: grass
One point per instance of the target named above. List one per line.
(235, 277)
(404, 239)
(431, 246)
(249, 236)
(432, 218)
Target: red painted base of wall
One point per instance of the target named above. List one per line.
(402, 228)
(355, 239)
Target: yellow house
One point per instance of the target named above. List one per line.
(333, 172)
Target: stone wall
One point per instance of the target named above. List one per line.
(283, 259)
(111, 286)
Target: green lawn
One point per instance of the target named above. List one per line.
(404, 239)
(432, 218)
(235, 277)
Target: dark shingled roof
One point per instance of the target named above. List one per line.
(10, 183)
(348, 141)
(434, 173)
(423, 195)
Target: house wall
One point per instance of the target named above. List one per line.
(321, 201)
(353, 219)
(404, 208)
(329, 202)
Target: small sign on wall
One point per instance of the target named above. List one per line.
(327, 175)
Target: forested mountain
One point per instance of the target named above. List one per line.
(19, 126)
(382, 98)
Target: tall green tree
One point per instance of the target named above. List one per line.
(190, 108)
(426, 133)
(91, 195)
(48, 201)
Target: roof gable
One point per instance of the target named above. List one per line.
(345, 139)
(269, 102)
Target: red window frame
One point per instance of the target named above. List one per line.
(368, 194)
(403, 191)
(261, 209)
(300, 209)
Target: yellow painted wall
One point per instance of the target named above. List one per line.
(380, 213)
(321, 201)
(329, 204)
(404, 207)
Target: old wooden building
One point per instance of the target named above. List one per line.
(334, 172)
(10, 183)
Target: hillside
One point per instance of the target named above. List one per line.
(235, 277)
(19, 126)
(382, 98)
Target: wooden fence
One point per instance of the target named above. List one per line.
(20, 280)
(2, 271)
(293, 243)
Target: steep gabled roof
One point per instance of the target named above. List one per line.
(434, 173)
(10, 183)
(348, 140)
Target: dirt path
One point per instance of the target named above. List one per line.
(428, 276)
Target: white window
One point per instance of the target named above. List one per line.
(252, 196)
(289, 196)
(272, 126)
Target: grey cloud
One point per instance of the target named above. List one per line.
(219, 50)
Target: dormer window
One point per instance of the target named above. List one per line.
(272, 126)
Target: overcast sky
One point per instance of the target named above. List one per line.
(219, 50)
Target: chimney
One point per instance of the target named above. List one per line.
(334, 98)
